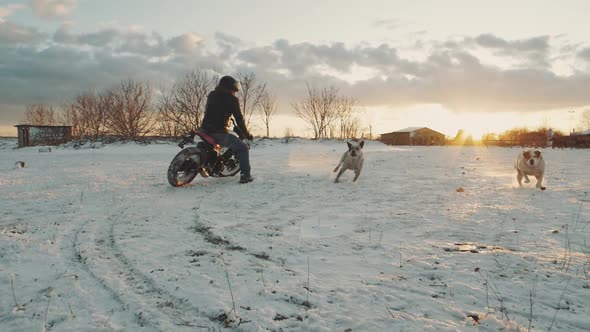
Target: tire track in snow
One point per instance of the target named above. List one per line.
(81, 261)
(241, 253)
(133, 291)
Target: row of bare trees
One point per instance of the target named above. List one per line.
(129, 109)
(181, 108)
(125, 110)
(251, 94)
(328, 112)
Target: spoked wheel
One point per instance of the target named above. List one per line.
(184, 167)
(231, 163)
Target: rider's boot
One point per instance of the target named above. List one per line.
(203, 172)
(246, 178)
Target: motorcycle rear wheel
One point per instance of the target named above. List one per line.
(184, 167)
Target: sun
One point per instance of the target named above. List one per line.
(475, 133)
(439, 118)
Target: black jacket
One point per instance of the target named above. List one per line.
(221, 105)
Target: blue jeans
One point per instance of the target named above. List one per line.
(238, 146)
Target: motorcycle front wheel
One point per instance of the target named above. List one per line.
(184, 167)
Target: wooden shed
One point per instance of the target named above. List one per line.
(414, 136)
(30, 135)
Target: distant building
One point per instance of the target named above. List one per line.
(30, 135)
(575, 140)
(414, 136)
(585, 132)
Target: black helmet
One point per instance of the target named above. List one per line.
(229, 83)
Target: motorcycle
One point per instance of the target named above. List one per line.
(204, 157)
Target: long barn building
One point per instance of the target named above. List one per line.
(414, 136)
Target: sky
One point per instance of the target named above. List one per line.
(441, 64)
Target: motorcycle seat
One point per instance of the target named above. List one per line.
(209, 139)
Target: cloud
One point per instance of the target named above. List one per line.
(460, 82)
(536, 44)
(64, 35)
(451, 74)
(585, 54)
(55, 69)
(130, 40)
(452, 77)
(53, 9)
(7, 10)
(58, 72)
(389, 24)
(536, 49)
(12, 33)
(229, 45)
(259, 56)
(186, 43)
(301, 58)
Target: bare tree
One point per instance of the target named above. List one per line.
(87, 114)
(268, 108)
(169, 119)
(349, 123)
(40, 114)
(319, 108)
(165, 126)
(105, 103)
(73, 118)
(183, 106)
(250, 94)
(129, 109)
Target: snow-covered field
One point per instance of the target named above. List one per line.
(96, 240)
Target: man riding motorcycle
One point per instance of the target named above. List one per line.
(222, 104)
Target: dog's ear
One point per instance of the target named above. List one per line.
(362, 143)
(349, 145)
(527, 155)
(537, 153)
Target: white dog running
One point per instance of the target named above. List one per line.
(352, 159)
(530, 163)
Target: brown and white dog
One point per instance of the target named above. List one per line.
(530, 163)
(352, 159)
